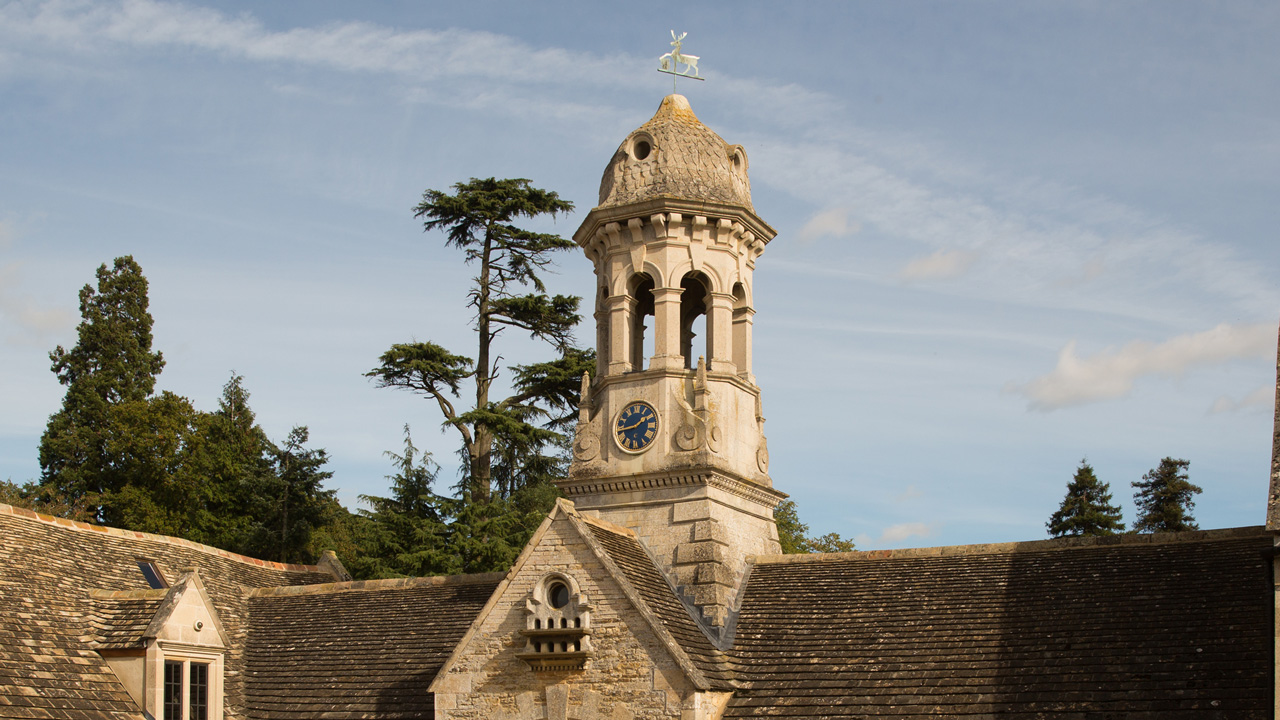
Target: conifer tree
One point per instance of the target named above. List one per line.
(1087, 508)
(1164, 498)
(111, 364)
(513, 432)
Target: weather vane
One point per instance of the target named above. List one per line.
(671, 61)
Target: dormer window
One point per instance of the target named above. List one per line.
(558, 626)
(152, 573)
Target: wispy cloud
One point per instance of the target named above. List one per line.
(1111, 373)
(828, 223)
(895, 534)
(941, 265)
(1262, 397)
(34, 322)
(911, 493)
(351, 46)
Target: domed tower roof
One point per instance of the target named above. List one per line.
(675, 156)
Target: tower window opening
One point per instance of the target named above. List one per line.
(641, 340)
(693, 305)
(641, 149)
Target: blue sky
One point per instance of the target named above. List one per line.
(1011, 235)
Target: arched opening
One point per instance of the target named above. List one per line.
(741, 330)
(695, 288)
(640, 288)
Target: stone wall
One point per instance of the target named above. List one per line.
(630, 674)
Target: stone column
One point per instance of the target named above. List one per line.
(743, 319)
(720, 333)
(666, 338)
(621, 309)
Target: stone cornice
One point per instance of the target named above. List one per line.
(598, 217)
(673, 479)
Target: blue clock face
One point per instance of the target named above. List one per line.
(636, 427)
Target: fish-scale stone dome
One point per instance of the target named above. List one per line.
(675, 156)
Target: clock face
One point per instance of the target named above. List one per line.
(636, 427)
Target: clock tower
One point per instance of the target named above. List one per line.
(670, 436)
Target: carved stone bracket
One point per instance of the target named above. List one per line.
(698, 427)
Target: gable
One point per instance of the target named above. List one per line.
(631, 669)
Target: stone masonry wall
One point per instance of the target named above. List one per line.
(630, 676)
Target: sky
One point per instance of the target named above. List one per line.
(1011, 236)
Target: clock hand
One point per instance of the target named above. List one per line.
(638, 424)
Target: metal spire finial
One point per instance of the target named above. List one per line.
(669, 62)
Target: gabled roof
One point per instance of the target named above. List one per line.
(118, 620)
(49, 570)
(1169, 626)
(356, 649)
(627, 563)
(655, 595)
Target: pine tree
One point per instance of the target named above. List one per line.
(1164, 498)
(478, 219)
(111, 365)
(1087, 508)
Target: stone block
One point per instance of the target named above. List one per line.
(713, 573)
(710, 530)
(707, 595)
(686, 574)
(692, 510)
(700, 552)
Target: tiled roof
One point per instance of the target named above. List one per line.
(357, 649)
(118, 620)
(48, 571)
(684, 159)
(1165, 626)
(630, 557)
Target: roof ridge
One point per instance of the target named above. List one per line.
(79, 526)
(1066, 543)
(376, 585)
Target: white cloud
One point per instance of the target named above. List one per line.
(941, 265)
(1261, 397)
(911, 493)
(828, 223)
(895, 534)
(1111, 373)
(350, 46)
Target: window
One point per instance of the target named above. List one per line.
(152, 573)
(186, 686)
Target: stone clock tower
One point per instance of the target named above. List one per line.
(670, 437)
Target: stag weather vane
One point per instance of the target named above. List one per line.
(671, 62)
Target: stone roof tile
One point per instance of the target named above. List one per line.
(1173, 626)
(627, 553)
(49, 570)
(674, 155)
(357, 650)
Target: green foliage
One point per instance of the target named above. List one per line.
(416, 532)
(1164, 498)
(793, 535)
(1087, 508)
(111, 364)
(120, 455)
(513, 442)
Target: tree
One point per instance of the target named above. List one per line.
(292, 502)
(1164, 499)
(405, 532)
(478, 219)
(1087, 508)
(793, 535)
(111, 364)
